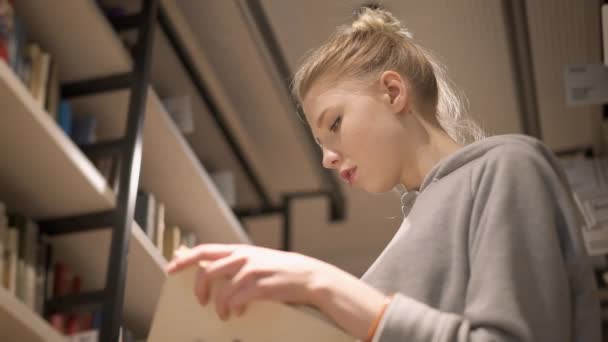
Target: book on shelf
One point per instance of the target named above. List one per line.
(78, 325)
(226, 184)
(159, 226)
(64, 117)
(180, 317)
(3, 244)
(52, 90)
(12, 38)
(145, 206)
(27, 259)
(23, 259)
(150, 216)
(588, 178)
(84, 129)
(179, 109)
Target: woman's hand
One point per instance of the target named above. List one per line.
(254, 273)
(250, 273)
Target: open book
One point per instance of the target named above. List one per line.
(180, 317)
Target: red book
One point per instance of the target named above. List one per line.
(86, 321)
(76, 284)
(58, 322)
(61, 281)
(73, 325)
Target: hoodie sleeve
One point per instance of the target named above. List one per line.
(520, 260)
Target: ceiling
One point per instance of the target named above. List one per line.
(471, 38)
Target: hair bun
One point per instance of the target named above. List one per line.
(373, 18)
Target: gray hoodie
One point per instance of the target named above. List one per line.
(490, 251)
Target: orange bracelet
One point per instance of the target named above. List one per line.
(372, 329)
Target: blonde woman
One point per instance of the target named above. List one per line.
(490, 249)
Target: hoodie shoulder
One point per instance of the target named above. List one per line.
(516, 156)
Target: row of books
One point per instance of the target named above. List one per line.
(150, 216)
(25, 258)
(79, 326)
(30, 62)
(39, 72)
(29, 272)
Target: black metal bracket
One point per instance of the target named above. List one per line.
(105, 148)
(97, 85)
(77, 224)
(208, 100)
(335, 214)
(126, 23)
(74, 302)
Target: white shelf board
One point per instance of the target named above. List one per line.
(78, 36)
(170, 169)
(20, 323)
(86, 254)
(43, 172)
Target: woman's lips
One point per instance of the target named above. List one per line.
(349, 175)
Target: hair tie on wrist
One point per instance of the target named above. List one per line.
(372, 329)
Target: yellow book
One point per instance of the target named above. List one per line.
(172, 241)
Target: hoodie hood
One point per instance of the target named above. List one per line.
(472, 152)
(478, 149)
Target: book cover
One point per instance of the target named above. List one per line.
(179, 317)
(3, 240)
(51, 103)
(84, 129)
(172, 241)
(7, 17)
(64, 117)
(11, 260)
(188, 239)
(160, 226)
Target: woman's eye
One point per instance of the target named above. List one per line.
(336, 123)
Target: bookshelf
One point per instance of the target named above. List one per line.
(19, 323)
(145, 272)
(170, 169)
(44, 162)
(36, 183)
(30, 142)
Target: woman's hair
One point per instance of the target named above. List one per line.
(376, 42)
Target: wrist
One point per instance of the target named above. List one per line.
(352, 304)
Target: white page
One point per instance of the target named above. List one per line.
(179, 317)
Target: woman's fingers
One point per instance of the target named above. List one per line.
(241, 281)
(209, 252)
(255, 289)
(217, 270)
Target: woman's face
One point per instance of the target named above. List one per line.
(360, 131)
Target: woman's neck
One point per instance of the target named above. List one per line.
(436, 145)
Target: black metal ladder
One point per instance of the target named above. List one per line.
(127, 149)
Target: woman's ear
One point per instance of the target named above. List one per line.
(395, 90)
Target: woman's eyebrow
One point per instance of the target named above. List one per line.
(320, 119)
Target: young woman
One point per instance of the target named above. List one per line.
(490, 249)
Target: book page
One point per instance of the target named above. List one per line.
(180, 317)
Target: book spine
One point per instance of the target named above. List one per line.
(12, 259)
(3, 241)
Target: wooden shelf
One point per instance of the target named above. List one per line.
(40, 162)
(170, 169)
(86, 255)
(20, 323)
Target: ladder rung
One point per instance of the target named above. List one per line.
(110, 148)
(126, 22)
(75, 301)
(79, 223)
(97, 85)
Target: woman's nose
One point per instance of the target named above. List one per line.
(330, 159)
